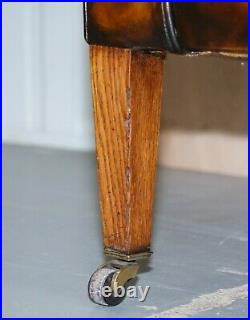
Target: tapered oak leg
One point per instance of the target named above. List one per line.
(127, 92)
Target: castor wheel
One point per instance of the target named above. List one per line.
(107, 285)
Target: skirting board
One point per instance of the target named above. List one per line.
(213, 152)
(82, 142)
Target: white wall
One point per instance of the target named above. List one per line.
(46, 92)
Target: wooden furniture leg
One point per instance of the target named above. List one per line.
(127, 92)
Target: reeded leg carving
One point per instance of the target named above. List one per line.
(127, 92)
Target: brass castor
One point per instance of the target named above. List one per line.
(107, 285)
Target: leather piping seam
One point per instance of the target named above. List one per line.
(172, 43)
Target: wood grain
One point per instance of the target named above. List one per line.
(127, 92)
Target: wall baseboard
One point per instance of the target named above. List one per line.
(51, 140)
(212, 152)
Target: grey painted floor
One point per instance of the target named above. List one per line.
(52, 243)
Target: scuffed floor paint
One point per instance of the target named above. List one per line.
(148, 308)
(232, 271)
(206, 302)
